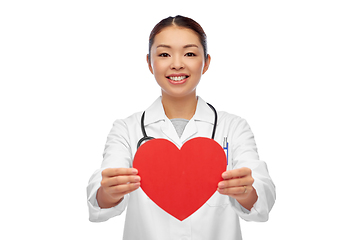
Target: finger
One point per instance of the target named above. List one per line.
(234, 190)
(236, 182)
(114, 181)
(132, 188)
(112, 172)
(236, 173)
(124, 189)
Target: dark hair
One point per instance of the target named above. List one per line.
(179, 21)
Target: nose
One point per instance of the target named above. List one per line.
(177, 63)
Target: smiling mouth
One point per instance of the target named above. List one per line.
(179, 78)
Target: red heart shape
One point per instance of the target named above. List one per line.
(180, 181)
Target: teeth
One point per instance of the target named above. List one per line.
(177, 78)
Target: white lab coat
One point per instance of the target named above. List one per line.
(218, 218)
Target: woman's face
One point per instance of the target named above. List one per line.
(177, 61)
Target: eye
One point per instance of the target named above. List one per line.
(190, 54)
(164, 55)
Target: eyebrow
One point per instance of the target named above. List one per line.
(191, 45)
(186, 46)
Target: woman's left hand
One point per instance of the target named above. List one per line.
(237, 184)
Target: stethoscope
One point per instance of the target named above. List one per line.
(146, 137)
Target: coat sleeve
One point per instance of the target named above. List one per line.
(244, 154)
(117, 154)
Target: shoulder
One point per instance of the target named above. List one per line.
(130, 120)
(125, 128)
(233, 123)
(229, 117)
(154, 112)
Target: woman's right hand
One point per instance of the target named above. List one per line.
(115, 184)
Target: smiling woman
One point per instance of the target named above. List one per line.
(178, 58)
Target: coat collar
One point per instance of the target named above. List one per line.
(156, 112)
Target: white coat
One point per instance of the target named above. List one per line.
(218, 218)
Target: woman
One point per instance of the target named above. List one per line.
(178, 58)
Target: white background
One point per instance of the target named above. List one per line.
(68, 69)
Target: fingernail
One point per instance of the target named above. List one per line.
(134, 171)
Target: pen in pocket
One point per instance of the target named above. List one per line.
(226, 149)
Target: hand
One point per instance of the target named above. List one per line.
(237, 184)
(115, 184)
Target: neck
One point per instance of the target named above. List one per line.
(184, 107)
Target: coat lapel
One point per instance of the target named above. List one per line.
(189, 131)
(169, 130)
(156, 113)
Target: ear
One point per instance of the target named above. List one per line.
(207, 64)
(149, 64)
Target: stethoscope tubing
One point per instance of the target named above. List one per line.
(215, 120)
(146, 137)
